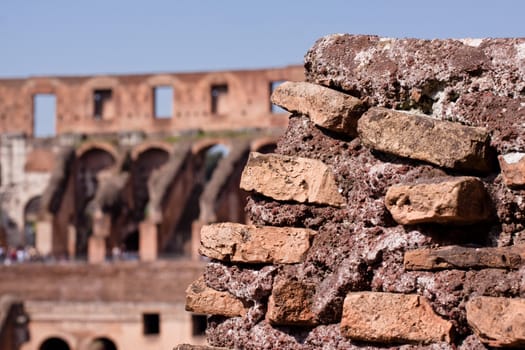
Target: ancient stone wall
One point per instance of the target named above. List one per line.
(117, 103)
(391, 213)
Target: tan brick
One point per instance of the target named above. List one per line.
(392, 318)
(443, 143)
(456, 257)
(498, 321)
(459, 200)
(201, 299)
(290, 303)
(328, 108)
(513, 169)
(251, 244)
(287, 178)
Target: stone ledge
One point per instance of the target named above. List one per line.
(498, 322)
(327, 108)
(286, 178)
(392, 318)
(255, 245)
(456, 257)
(442, 143)
(455, 200)
(201, 299)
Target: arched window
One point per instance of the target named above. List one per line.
(102, 343)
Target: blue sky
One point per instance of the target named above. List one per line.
(59, 37)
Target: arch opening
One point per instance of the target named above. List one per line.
(89, 164)
(102, 343)
(54, 343)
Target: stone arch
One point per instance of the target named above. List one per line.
(105, 146)
(203, 145)
(91, 160)
(54, 343)
(264, 145)
(143, 147)
(102, 343)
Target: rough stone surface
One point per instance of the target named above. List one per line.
(197, 347)
(252, 244)
(443, 143)
(201, 299)
(290, 303)
(327, 108)
(291, 179)
(513, 169)
(387, 318)
(478, 82)
(453, 200)
(498, 321)
(456, 257)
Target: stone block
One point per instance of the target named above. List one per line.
(498, 322)
(251, 244)
(450, 200)
(513, 169)
(327, 108)
(290, 303)
(286, 178)
(392, 318)
(201, 299)
(442, 143)
(456, 257)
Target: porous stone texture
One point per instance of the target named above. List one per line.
(392, 318)
(359, 247)
(327, 108)
(498, 321)
(478, 82)
(251, 244)
(415, 136)
(290, 179)
(456, 257)
(513, 169)
(452, 200)
(202, 299)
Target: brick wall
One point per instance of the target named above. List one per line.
(390, 215)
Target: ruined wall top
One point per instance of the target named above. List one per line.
(113, 103)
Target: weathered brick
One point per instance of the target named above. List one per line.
(288, 178)
(454, 200)
(251, 244)
(456, 257)
(443, 143)
(290, 303)
(328, 108)
(513, 169)
(392, 318)
(498, 321)
(201, 299)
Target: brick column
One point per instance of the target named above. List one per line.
(96, 249)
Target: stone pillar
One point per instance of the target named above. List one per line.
(44, 237)
(96, 249)
(148, 241)
(71, 241)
